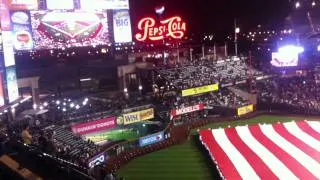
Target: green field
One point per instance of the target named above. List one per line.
(185, 161)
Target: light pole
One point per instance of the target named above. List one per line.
(160, 11)
(236, 32)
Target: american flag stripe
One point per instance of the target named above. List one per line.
(280, 151)
(235, 156)
(218, 155)
(277, 166)
(262, 170)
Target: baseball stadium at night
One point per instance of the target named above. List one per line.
(159, 90)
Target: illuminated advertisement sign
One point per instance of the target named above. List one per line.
(122, 26)
(60, 4)
(104, 4)
(60, 29)
(138, 116)
(151, 139)
(173, 27)
(8, 52)
(94, 126)
(23, 4)
(245, 110)
(186, 110)
(21, 30)
(97, 160)
(200, 90)
(5, 17)
(1, 91)
(12, 84)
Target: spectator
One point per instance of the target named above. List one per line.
(26, 136)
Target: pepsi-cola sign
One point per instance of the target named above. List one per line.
(151, 139)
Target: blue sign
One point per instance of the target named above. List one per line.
(151, 139)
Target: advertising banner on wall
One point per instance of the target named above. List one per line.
(94, 126)
(23, 4)
(186, 110)
(21, 30)
(200, 90)
(104, 4)
(151, 139)
(5, 17)
(8, 52)
(138, 116)
(97, 160)
(122, 26)
(12, 84)
(245, 110)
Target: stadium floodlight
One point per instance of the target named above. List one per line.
(58, 102)
(140, 87)
(77, 106)
(237, 30)
(72, 105)
(45, 104)
(297, 5)
(34, 106)
(125, 90)
(318, 48)
(313, 3)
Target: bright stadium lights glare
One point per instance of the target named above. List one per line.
(45, 104)
(64, 109)
(297, 5)
(313, 4)
(41, 107)
(318, 48)
(77, 106)
(237, 30)
(34, 106)
(84, 103)
(125, 90)
(58, 102)
(291, 49)
(71, 105)
(140, 87)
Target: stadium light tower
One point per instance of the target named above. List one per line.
(160, 11)
(236, 32)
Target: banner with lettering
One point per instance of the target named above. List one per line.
(245, 110)
(186, 110)
(94, 126)
(200, 90)
(138, 116)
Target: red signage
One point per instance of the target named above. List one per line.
(172, 27)
(186, 110)
(94, 126)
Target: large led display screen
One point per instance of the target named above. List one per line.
(287, 56)
(58, 29)
(122, 26)
(21, 30)
(60, 4)
(12, 85)
(104, 4)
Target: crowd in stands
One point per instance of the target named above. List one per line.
(204, 72)
(301, 94)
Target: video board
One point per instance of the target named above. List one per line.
(52, 24)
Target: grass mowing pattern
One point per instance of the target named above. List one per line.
(186, 161)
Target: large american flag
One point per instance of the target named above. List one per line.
(280, 151)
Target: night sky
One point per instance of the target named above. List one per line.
(208, 16)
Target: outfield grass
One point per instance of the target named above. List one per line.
(186, 161)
